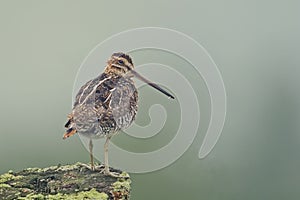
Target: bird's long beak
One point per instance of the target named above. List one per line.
(140, 77)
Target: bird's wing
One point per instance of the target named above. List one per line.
(87, 91)
(112, 101)
(123, 102)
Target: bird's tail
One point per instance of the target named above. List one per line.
(70, 130)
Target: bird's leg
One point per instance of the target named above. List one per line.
(92, 165)
(106, 166)
(91, 155)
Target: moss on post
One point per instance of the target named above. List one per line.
(63, 182)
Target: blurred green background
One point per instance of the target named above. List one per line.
(254, 43)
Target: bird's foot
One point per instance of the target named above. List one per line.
(106, 171)
(89, 167)
(92, 167)
(99, 168)
(113, 174)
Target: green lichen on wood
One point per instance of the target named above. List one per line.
(3, 185)
(92, 194)
(8, 177)
(121, 187)
(63, 182)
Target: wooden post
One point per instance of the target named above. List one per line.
(63, 182)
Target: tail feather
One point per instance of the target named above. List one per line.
(69, 132)
(68, 123)
(69, 126)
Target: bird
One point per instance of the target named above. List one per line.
(107, 104)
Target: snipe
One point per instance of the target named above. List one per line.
(107, 104)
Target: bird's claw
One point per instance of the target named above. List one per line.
(105, 171)
(92, 167)
(89, 167)
(112, 174)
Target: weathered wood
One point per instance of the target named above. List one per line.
(63, 182)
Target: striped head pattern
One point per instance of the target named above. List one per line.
(119, 64)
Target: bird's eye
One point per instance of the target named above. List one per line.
(121, 62)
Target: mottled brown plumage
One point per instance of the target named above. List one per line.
(107, 104)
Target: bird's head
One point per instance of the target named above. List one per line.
(119, 64)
